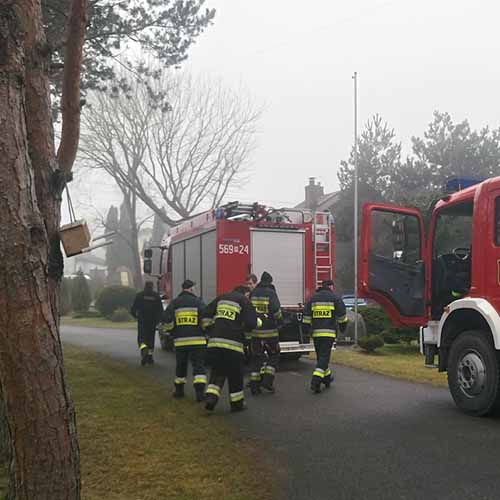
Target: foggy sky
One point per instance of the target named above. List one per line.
(297, 58)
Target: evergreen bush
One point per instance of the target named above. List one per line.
(80, 293)
(371, 342)
(114, 297)
(120, 315)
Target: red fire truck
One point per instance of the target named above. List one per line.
(447, 283)
(220, 247)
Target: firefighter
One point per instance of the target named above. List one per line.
(147, 309)
(322, 314)
(252, 281)
(183, 318)
(232, 315)
(265, 338)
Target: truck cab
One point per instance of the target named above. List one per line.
(444, 277)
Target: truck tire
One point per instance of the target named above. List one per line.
(474, 373)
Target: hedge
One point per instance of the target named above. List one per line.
(371, 342)
(378, 323)
(114, 297)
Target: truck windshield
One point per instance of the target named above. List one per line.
(453, 229)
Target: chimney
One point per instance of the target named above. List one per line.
(313, 193)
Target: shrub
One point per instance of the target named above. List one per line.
(370, 343)
(80, 293)
(390, 336)
(114, 297)
(87, 314)
(378, 323)
(376, 320)
(65, 306)
(120, 315)
(408, 335)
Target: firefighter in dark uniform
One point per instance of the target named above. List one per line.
(323, 314)
(183, 318)
(232, 315)
(265, 338)
(147, 309)
(251, 283)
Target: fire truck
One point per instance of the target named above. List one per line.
(447, 282)
(219, 248)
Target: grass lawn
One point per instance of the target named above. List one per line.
(138, 443)
(399, 360)
(98, 323)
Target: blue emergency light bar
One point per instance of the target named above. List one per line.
(460, 183)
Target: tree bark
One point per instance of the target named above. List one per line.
(70, 102)
(40, 413)
(4, 435)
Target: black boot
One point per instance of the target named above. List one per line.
(199, 390)
(238, 406)
(210, 402)
(255, 387)
(267, 382)
(316, 385)
(144, 354)
(179, 391)
(328, 381)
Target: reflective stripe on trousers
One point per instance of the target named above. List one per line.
(324, 333)
(200, 379)
(213, 389)
(236, 396)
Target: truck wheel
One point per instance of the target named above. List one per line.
(473, 373)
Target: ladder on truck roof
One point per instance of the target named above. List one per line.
(322, 247)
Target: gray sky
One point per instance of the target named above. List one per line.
(297, 58)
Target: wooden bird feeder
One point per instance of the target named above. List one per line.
(75, 237)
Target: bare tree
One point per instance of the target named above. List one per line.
(177, 141)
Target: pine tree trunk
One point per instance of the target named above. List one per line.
(40, 414)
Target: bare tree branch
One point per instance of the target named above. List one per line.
(185, 155)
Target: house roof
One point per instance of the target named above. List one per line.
(325, 202)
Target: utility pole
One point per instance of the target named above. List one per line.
(356, 238)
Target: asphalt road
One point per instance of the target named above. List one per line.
(368, 437)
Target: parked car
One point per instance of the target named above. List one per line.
(349, 301)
